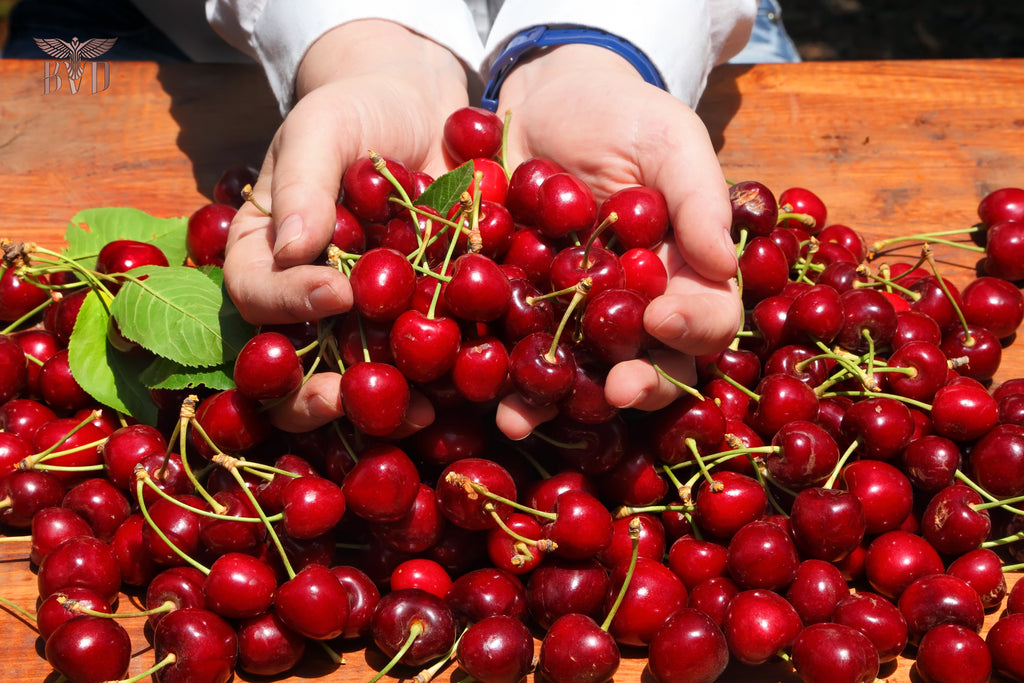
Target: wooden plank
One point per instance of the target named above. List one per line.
(892, 148)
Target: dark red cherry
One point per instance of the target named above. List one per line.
(206, 234)
(754, 208)
(205, 647)
(950, 652)
(759, 624)
(498, 648)
(416, 616)
(89, 649)
(834, 653)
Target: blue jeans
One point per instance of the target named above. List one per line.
(769, 41)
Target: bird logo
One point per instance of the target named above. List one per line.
(75, 51)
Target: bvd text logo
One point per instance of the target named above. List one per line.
(75, 56)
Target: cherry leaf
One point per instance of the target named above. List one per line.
(166, 374)
(444, 193)
(108, 375)
(181, 314)
(90, 229)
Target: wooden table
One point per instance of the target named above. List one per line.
(891, 147)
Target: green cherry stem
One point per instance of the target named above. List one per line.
(144, 509)
(415, 629)
(831, 481)
(167, 661)
(20, 610)
(634, 537)
(473, 489)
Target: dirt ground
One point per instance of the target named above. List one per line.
(905, 29)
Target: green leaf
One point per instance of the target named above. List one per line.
(90, 229)
(108, 375)
(444, 193)
(181, 314)
(166, 374)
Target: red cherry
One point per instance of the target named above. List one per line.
(471, 132)
(206, 235)
(642, 216)
(375, 397)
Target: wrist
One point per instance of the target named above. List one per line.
(373, 46)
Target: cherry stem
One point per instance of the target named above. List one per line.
(249, 196)
(45, 454)
(630, 510)
(474, 489)
(581, 289)
(802, 218)
(144, 509)
(28, 316)
(609, 220)
(968, 337)
(541, 544)
(333, 655)
(231, 465)
(415, 629)
(839, 465)
(634, 537)
(170, 659)
(381, 165)
(76, 607)
(974, 486)
(682, 490)
(1005, 540)
(428, 674)
(145, 476)
(691, 444)
(692, 391)
(504, 144)
(571, 445)
(882, 394)
(876, 247)
(20, 610)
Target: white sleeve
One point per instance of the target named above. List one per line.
(279, 32)
(684, 39)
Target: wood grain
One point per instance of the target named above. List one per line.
(892, 147)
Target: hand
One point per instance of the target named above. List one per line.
(588, 109)
(367, 83)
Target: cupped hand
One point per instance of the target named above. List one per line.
(366, 84)
(588, 110)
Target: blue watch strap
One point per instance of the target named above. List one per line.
(543, 36)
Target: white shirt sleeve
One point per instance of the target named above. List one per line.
(279, 32)
(684, 39)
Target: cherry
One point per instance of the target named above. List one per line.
(993, 303)
(762, 555)
(413, 626)
(129, 548)
(827, 523)
(1004, 643)
(82, 561)
(689, 647)
(472, 132)
(722, 512)
(951, 523)
(805, 455)
(847, 238)
(228, 188)
(558, 587)
(759, 624)
(523, 199)
(694, 560)
(461, 490)
(267, 367)
(883, 427)
(802, 201)
(929, 364)
(57, 609)
(383, 283)
(532, 251)
(635, 479)
(963, 411)
(498, 648)
(422, 573)
(366, 191)
(884, 492)
(478, 290)
(424, 347)
(687, 419)
(981, 569)
(267, 647)
(206, 234)
(754, 208)
(816, 590)
(782, 399)
(62, 321)
(877, 618)
(90, 649)
(100, 503)
(613, 326)
(239, 586)
(834, 652)
(121, 256)
(1004, 248)
(205, 647)
(375, 397)
(937, 599)
(58, 386)
(896, 558)
(18, 297)
(763, 269)
(488, 591)
(866, 313)
(51, 526)
(914, 326)
(930, 462)
(232, 421)
(950, 652)
(383, 485)
(541, 369)
(654, 593)
(23, 493)
(1004, 204)
(978, 346)
(713, 596)
(363, 596)
(643, 272)
(566, 205)
(313, 603)
(125, 448)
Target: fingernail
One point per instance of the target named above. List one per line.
(324, 299)
(288, 232)
(672, 327)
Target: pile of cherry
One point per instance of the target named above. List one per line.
(842, 485)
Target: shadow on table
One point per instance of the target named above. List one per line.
(721, 101)
(226, 115)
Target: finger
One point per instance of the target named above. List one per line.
(695, 316)
(638, 384)
(309, 156)
(266, 293)
(681, 163)
(420, 414)
(315, 403)
(516, 419)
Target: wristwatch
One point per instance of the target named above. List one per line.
(544, 36)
